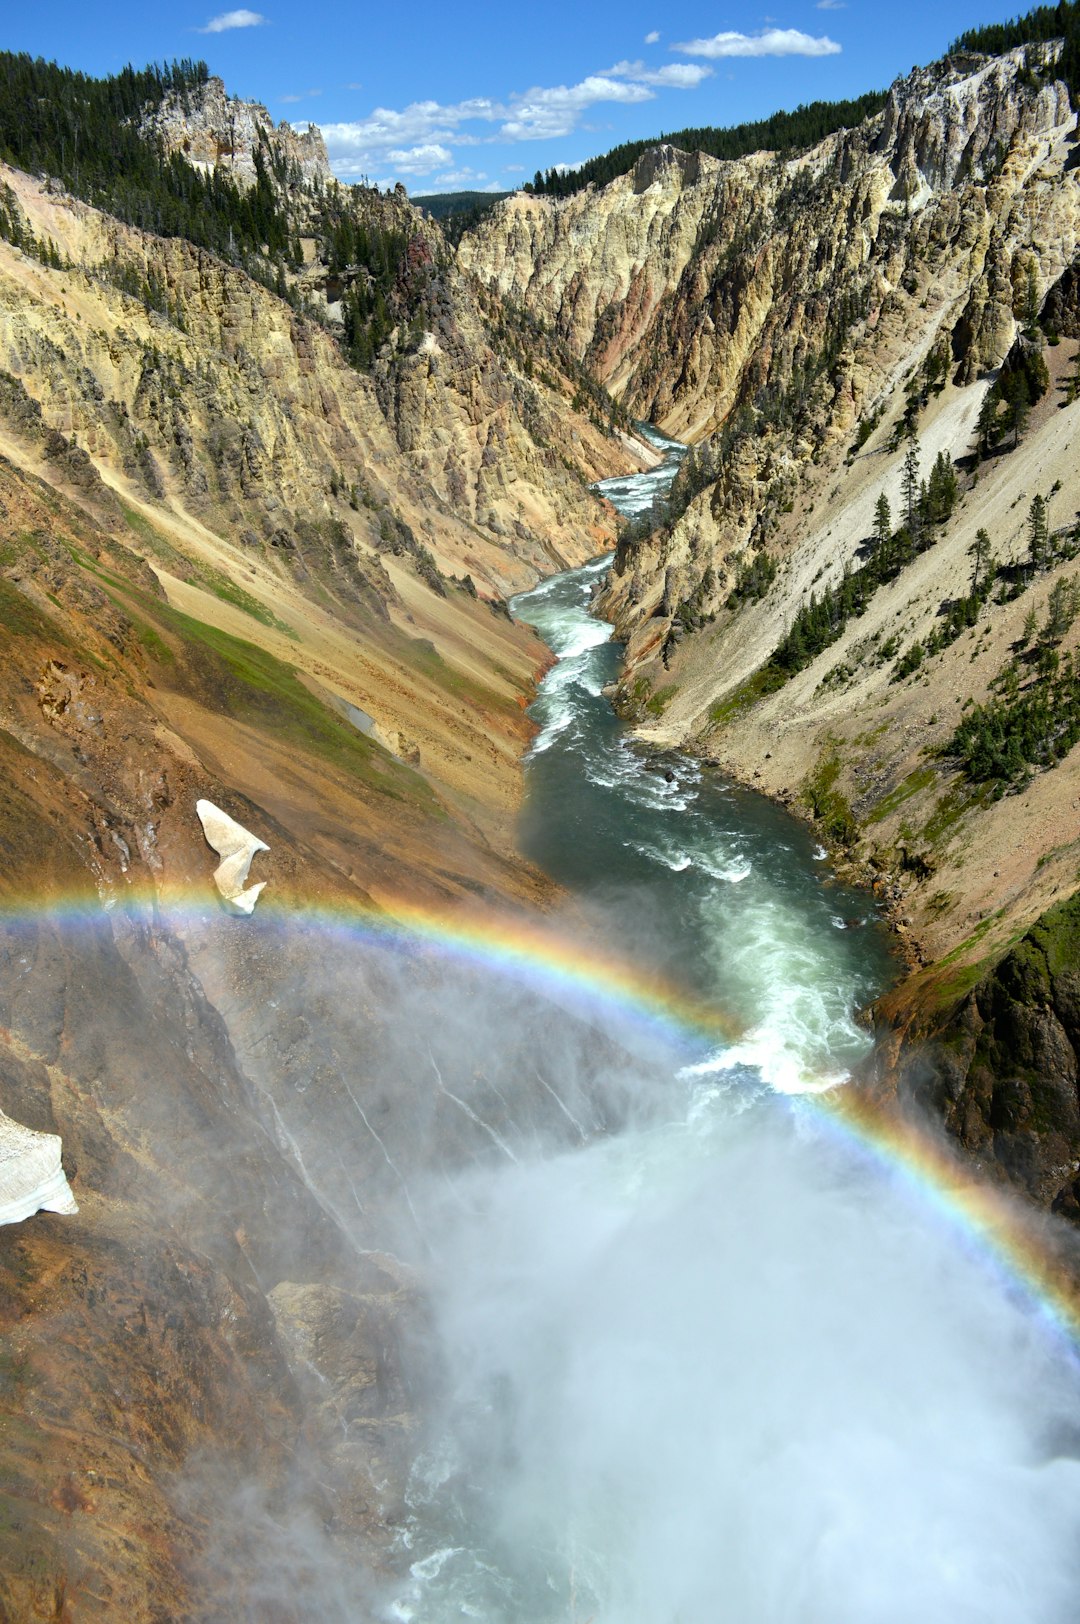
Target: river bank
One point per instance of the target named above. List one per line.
(629, 1425)
(979, 1030)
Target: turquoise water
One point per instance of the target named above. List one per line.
(722, 890)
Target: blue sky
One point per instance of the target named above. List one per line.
(480, 96)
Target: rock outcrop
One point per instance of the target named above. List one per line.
(1001, 1064)
(216, 131)
(31, 1176)
(236, 846)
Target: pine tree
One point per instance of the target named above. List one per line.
(1062, 609)
(981, 559)
(909, 485)
(1018, 397)
(1031, 303)
(882, 528)
(941, 490)
(987, 426)
(1038, 534)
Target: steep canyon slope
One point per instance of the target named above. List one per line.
(236, 566)
(892, 313)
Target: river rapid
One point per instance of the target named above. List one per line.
(709, 1365)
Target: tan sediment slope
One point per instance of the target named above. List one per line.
(258, 475)
(234, 569)
(993, 867)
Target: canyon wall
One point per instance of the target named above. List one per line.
(235, 567)
(809, 322)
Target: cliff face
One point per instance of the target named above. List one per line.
(818, 310)
(598, 266)
(1001, 1067)
(225, 396)
(205, 1409)
(284, 497)
(139, 1335)
(693, 285)
(216, 131)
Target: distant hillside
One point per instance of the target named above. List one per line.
(807, 125)
(458, 212)
(781, 132)
(441, 204)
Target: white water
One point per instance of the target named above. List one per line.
(714, 1369)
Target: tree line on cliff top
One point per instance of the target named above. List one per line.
(92, 136)
(781, 132)
(807, 125)
(88, 134)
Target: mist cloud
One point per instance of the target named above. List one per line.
(716, 1371)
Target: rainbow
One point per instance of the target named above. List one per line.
(573, 974)
(1013, 1243)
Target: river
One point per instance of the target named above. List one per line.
(708, 1366)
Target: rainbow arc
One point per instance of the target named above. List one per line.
(990, 1225)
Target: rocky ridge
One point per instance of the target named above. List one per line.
(692, 284)
(214, 130)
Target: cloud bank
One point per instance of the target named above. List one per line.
(421, 138)
(544, 112)
(769, 42)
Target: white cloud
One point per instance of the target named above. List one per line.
(385, 127)
(831, 5)
(769, 42)
(653, 37)
(674, 76)
(545, 112)
(232, 19)
(542, 112)
(419, 160)
(461, 177)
